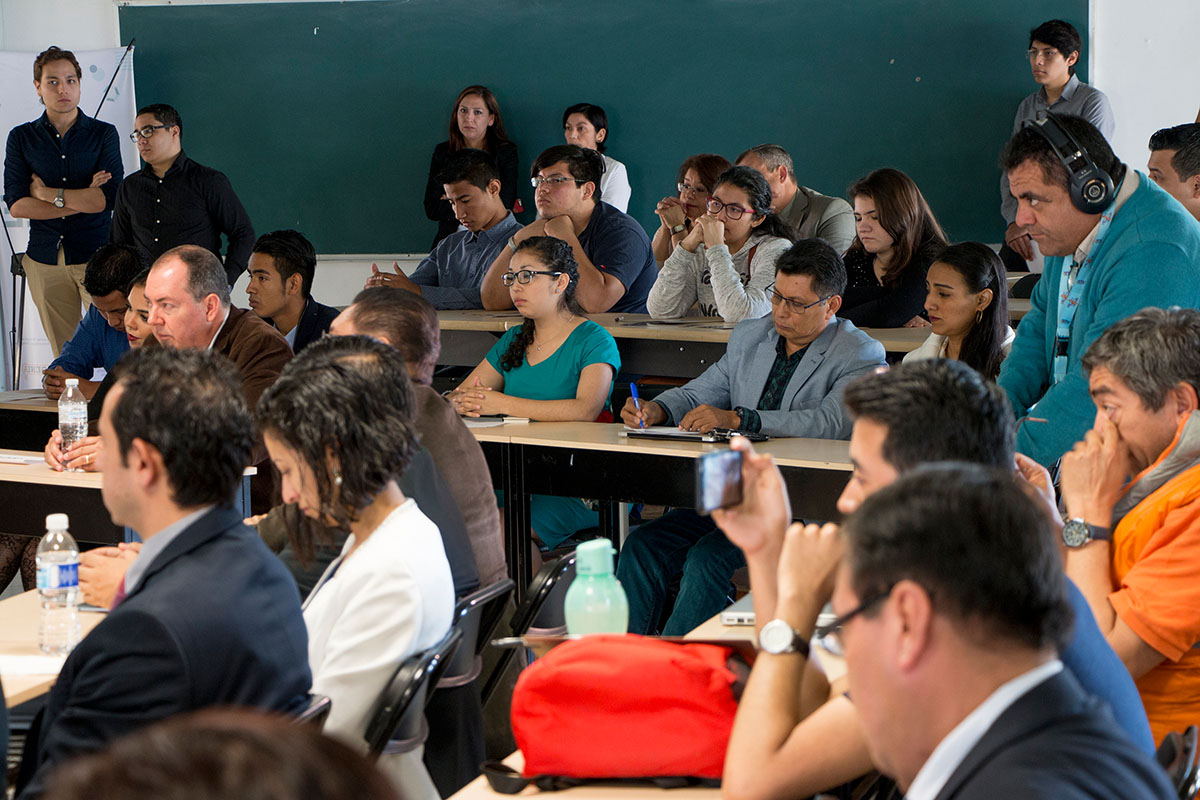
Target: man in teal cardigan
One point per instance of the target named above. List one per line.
(1148, 256)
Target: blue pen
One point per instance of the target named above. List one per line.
(637, 403)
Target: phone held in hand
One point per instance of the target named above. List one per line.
(718, 480)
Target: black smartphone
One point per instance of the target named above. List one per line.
(718, 480)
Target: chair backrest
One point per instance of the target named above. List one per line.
(316, 712)
(476, 615)
(1177, 754)
(542, 608)
(399, 709)
(1024, 286)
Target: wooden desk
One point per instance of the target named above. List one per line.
(28, 492)
(586, 459)
(18, 637)
(26, 419)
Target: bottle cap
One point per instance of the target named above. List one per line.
(57, 522)
(72, 382)
(594, 557)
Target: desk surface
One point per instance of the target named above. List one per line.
(28, 400)
(41, 473)
(18, 637)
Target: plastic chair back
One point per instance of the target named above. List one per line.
(316, 712)
(476, 615)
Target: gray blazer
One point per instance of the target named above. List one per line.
(812, 404)
(819, 216)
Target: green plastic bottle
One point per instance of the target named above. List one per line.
(595, 601)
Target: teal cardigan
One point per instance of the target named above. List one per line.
(1150, 257)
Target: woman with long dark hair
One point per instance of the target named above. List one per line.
(556, 365)
(897, 237)
(967, 302)
(475, 122)
(694, 181)
(726, 263)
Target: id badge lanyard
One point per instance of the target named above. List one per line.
(1070, 290)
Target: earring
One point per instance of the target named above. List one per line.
(979, 316)
(337, 478)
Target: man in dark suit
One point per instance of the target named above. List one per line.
(206, 615)
(282, 267)
(951, 607)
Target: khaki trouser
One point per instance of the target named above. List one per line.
(58, 293)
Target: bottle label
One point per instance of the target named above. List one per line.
(58, 576)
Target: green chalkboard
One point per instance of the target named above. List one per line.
(324, 115)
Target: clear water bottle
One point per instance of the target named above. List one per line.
(58, 588)
(595, 601)
(72, 416)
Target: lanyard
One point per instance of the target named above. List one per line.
(1070, 290)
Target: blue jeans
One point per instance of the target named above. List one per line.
(680, 543)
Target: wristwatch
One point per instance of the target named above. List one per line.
(678, 229)
(59, 202)
(1077, 533)
(777, 637)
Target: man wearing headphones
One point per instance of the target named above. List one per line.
(1114, 243)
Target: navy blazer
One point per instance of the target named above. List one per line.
(1059, 743)
(313, 324)
(214, 621)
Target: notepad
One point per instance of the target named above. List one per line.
(31, 665)
(490, 420)
(10, 459)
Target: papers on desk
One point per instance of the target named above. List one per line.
(662, 432)
(31, 665)
(5, 458)
(488, 421)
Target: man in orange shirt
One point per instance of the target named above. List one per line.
(1132, 545)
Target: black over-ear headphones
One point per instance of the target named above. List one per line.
(1090, 188)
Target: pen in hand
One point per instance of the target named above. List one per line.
(637, 403)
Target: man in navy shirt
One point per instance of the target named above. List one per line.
(616, 267)
(100, 339)
(282, 266)
(61, 172)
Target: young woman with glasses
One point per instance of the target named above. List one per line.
(723, 265)
(695, 178)
(555, 366)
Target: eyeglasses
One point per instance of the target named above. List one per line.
(524, 276)
(794, 306)
(684, 188)
(834, 628)
(714, 207)
(555, 181)
(145, 133)
(1047, 55)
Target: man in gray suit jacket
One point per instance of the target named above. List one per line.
(807, 210)
(782, 376)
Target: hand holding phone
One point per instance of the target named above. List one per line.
(718, 480)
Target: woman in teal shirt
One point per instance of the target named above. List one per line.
(556, 366)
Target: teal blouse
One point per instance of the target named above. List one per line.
(557, 378)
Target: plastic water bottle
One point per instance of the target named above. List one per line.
(595, 601)
(72, 416)
(58, 588)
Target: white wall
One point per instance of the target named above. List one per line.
(1143, 57)
(33, 25)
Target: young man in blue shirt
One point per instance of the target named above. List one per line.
(61, 172)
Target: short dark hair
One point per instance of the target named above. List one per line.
(980, 268)
(293, 255)
(1028, 144)
(137, 280)
(708, 167)
(471, 165)
(111, 268)
(406, 320)
(349, 398)
(595, 115)
(772, 156)
(1172, 138)
(1186, 161)
(219, 753)
(935, 410)
(815, 258)
(189, 405)
(165, 114)
(1152, 352)
(205, 274)
(584, 165)
(1060, 35)
(54, 53)
(975, 539)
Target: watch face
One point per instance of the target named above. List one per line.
(776, 637)
(1075, 533)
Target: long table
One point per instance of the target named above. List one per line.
(18, 637)
(593, 460)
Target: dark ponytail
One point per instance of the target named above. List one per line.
(556, 256)
(980, 268)
(758, 191)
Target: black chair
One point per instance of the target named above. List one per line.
(397, 721)
(1177, 756)
(455, 746)
(316, 712)
(1023, 288)
(540, 613)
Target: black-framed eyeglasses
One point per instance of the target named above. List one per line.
(554, 180)
(525, 276)
(714, 207)
(794, 306)
(683, 187)
(146, 132)
(834, 628)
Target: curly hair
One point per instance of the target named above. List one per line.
(555, 255)
(344, 405)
